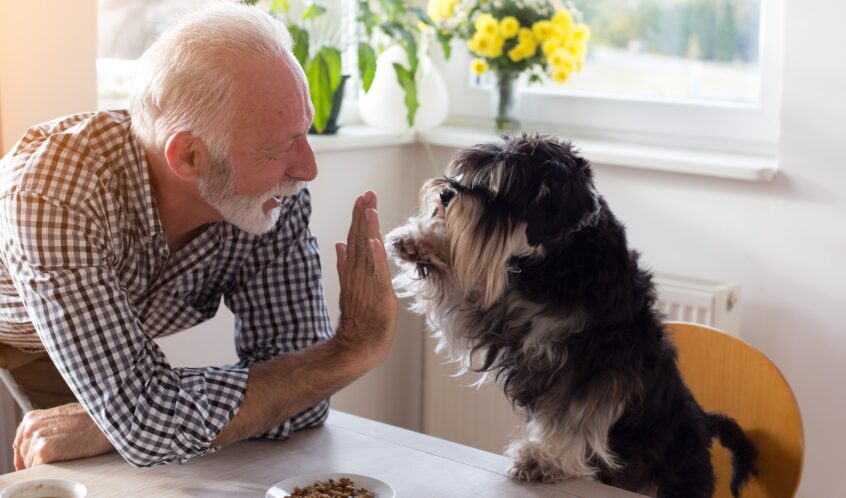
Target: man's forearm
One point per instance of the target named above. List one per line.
(284, 386)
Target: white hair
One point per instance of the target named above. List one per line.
(184, 81)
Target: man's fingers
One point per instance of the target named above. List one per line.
(40, 453)
(373, 230)
(354, 222)
(380, 261)
(341, 255)
(23, 439)
(19, 463)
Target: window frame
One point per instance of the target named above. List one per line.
(748, 128)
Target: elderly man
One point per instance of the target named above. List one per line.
(120, 227)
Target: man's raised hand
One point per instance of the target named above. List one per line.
(367, 325)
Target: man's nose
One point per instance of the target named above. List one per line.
(304, 165)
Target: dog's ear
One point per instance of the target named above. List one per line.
(482, 240)
(566, 201)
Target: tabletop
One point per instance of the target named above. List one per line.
(414, 464)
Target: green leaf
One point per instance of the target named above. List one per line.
(410, 46)
(249, 2)
(366, 64)
(333, 59)
(300, 37)
(422, 15)
(277, 6)
(445, 39)
(313, 11)
(367, 17)
(405, 39)
(320, 87)
(406, 81)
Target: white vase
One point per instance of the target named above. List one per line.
(383, 106)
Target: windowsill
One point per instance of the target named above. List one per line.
(360, 136)
(629, 155)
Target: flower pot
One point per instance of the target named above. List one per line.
(332, 124)
(383, 106)
(505, 101)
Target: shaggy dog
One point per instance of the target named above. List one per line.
(523, 272)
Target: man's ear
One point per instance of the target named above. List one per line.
(186, 155)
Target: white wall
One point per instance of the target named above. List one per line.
(785, 241)
(47, 68)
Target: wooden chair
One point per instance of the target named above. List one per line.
(730, 376)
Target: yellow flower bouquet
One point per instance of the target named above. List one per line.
(544, 38)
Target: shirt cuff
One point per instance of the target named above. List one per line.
(210, 398)
(310, 417)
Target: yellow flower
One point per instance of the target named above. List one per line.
(481, 44)
(581, 33)
(560, 76)
(563, 60)
(486, 46)
(496, 46)
(525, 34)
(577, 48)
(479, 66)
(517, 54)
(564, 19)
(529, 46)
(550, 46)
(558, 33)
(441, 10)
(542, 30)
(486, 24)
(509, 27)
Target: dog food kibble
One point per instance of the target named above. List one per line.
(342, 488)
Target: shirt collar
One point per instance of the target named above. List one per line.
(140, 187)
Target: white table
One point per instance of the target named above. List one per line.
(414, 464)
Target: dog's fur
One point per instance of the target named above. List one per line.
(523, 272)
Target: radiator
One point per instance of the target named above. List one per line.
(686, 299)
(481, 417)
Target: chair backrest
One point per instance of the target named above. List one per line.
(9, 381)
(730, 376)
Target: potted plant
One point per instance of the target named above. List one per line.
(318, 49)
(545, 39)
(387, 25)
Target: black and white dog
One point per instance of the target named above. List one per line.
(523, 272)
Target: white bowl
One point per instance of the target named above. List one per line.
(286, 487)
(45, 488)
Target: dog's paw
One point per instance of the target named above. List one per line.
(409, 249)
(529, 469)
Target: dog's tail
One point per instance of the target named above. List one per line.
(744, 452)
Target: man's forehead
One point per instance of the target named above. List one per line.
(274, 93)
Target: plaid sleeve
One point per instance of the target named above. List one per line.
(279, 304)
(62, 268)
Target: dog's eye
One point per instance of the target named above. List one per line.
(446, 196)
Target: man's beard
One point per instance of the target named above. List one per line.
(217, 187)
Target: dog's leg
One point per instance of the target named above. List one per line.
(690, 475)
(550, 454)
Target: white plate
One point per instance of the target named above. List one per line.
(36, 488)
(284, 488)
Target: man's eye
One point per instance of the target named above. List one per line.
(446, 196)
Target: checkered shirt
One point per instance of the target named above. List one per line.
(85, 273)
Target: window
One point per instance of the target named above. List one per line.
(698, 50)
(125, 28)
(692, 73)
